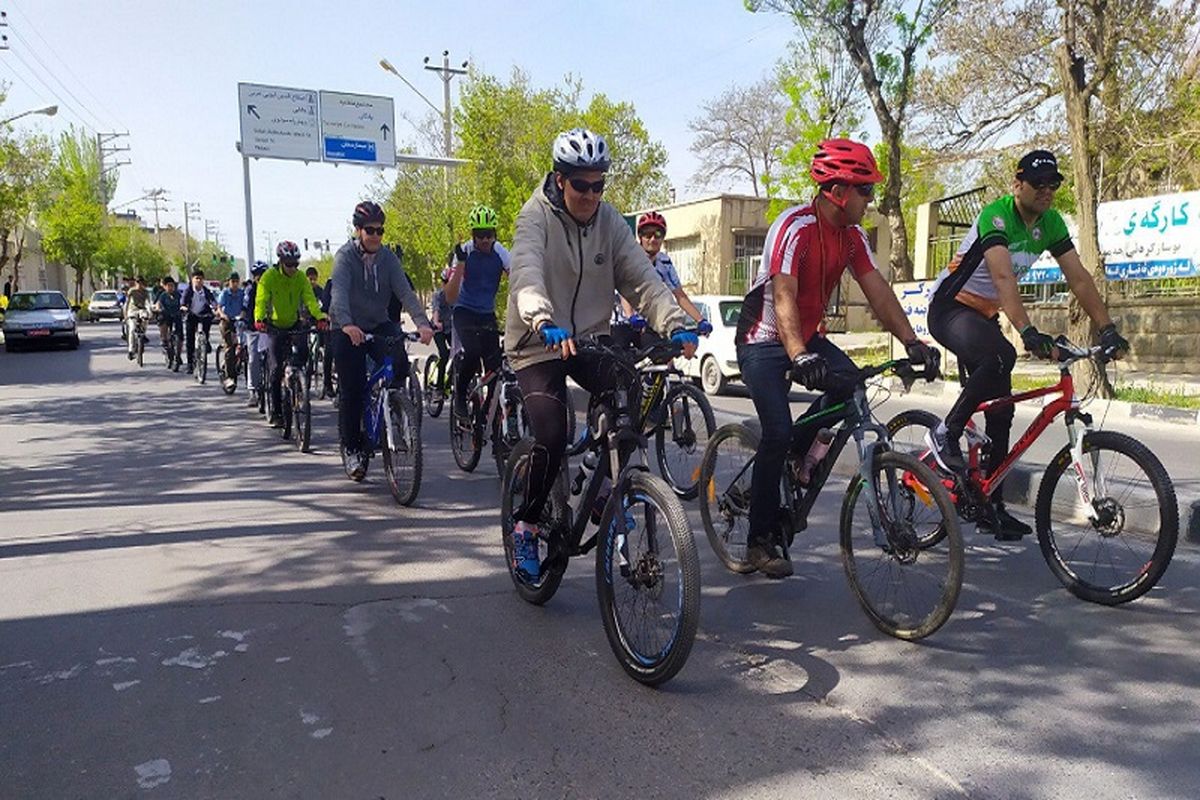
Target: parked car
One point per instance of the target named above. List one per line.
(715, 363)
(43, 317)
(103, 305)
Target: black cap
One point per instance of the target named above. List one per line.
(1038, 165)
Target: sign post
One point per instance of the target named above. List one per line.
(358, 128)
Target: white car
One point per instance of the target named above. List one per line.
(715, 363)
(39, 318)
(104, 305)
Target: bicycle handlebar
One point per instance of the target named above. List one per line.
(630, 358)
(1069, 353)
(411, 337)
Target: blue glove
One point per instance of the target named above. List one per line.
(637, 322)
(704, 328)
(682, 337)
(553, 335)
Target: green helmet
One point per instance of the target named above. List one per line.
(483, 217)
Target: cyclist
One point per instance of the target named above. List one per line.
(365, 276)
(197, 303)
(257, 344)
(230, 309)
(170, 315)
(779, 337)
(137, 306)
(277, 301)
(571, 250)
(651, 230)
(980, 281)
(443, 327)
(475, 271)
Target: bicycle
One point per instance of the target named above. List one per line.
(494, 403)
(647, 567)
(139, 344)
(435, 394)
(906, 584)
(413, 384)
(202, 345)
(1104, 535)
(316, 365)
(173, 349)
(230, 370)
(667, 410)
(392, 425)
(296, 410)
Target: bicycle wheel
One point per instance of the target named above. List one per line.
(202, 365)
(908, 589)
(1119, 556)
(518, 424)
(465, 435)
(285, 410)
(725, 501)
(140, 346)
(402, 449)
(648, 581)
(434, 396)
(415, 395)
(555, 516)
(682, 437)
(301, 412)
(907, 432)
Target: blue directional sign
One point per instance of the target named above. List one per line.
(349, 150)
(358, 128)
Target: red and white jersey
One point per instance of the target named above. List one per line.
(800, 243)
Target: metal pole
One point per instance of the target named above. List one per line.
(447, 75)
(249, 214)
(187, 258)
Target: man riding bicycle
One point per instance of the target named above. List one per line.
(980, 281)
(277, 300)
(137, 306)
(197, 304)
(651, 230)
(256, 349)
(230, 308)
(366, 276)
(170, 314)
(779, 338)
(570, 252)
(475, 271)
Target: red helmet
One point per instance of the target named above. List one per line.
(287, 251)
(651, 219)
(844, 161)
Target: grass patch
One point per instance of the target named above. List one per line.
(1158, 396)
(870, 356)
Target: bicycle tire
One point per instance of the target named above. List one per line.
(202, 365)
(141, 351)
(724, 510)
(647, 575)
(465, 438)
(302, 413)
(285, 410)
(898, 564)
(502, 445)
(1147, 564)
(405, 453)
(685, 485)
(435, 396)
(555, 516)
(415, 393)
(906, 434)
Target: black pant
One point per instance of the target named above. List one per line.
(442, 340)
(351, 364)
(479, 336)
(192, 323)
(544, 388)
(988, 358)
(284, 343)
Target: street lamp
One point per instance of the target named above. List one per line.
(49, 111)
(387, 65)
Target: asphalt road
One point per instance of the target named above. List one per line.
(190, 608)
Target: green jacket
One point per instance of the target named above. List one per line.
(277, 299)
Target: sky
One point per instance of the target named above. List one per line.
(167, 72)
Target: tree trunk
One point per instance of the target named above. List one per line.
(889, 206)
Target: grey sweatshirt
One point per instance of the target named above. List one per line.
(358, 301)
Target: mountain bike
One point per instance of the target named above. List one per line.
(906, 583)
(230, 368)
(495, 410)
(202, 344)
(647, 568)
(173, 348)
(680, 418)
(139, 343)
(1106, 513)
(296, 410)
(391, 425)
(435, 394)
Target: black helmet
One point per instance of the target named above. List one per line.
(365, 212)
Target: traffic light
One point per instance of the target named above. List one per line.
(306, 243)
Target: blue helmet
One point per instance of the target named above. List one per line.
(259, 268)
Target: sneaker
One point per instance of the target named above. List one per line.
(191, 369)
(525, 551)
(945, 449)
(1004, 526)
(253, 401)
(276, 421)
(766, 559)
(355, 464)
(130, 355)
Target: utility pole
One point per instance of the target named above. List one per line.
(103, 151)
(447, 74)
(190, 211)
(159, 198)
(212, 230)
(3, 24)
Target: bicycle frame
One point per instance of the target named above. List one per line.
(375, 418)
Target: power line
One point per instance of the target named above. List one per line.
(50, 72)
(52, 94)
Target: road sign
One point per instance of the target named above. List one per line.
(278, 122)
(358, 128)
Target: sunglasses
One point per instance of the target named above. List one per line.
(1039, 185)
(371, 230)
(583, 187)
(652, 233)
(865, 189)
(480, 234)
(287, 262)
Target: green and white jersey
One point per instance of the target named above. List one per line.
(967, 279)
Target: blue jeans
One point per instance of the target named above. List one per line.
(766, 371)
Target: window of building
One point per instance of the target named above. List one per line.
(747, 256)
(685, 253)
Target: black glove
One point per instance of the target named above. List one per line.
(1039, 344)
(1114, 345)
(808, 369)
(921, 354)
(460, 255)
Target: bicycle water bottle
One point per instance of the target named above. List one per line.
(816, 453)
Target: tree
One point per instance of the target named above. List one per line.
(24, 175)
(129, 250)
(883, 40)
(73, 222)
(741, 134)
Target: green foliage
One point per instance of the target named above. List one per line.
(25, 161)
(129, 251)
(73, 222)
(922, 183)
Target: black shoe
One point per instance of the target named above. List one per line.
(355, 464)
(1004, 526)
(275, 421)
(130, 355)
(191, 369)
(946, 450)
(768, 560)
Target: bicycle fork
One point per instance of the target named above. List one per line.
(1087, 494)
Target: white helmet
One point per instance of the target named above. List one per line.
(579, 148)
